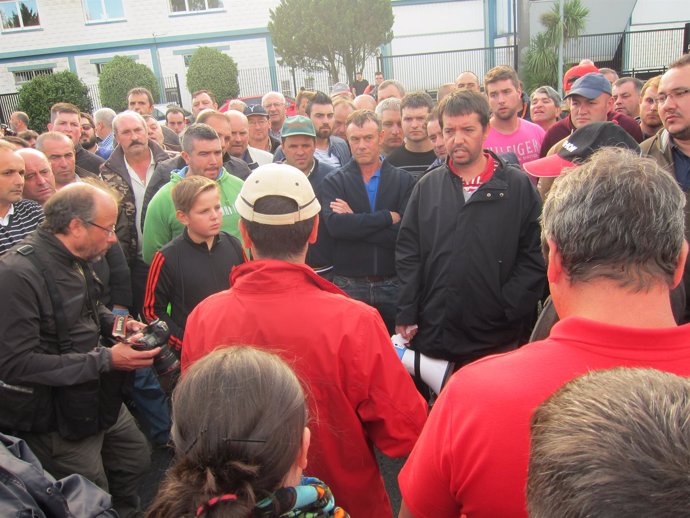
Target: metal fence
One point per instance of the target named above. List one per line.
(257, 81)
(429, 70)
(8, 104)
(637, 53)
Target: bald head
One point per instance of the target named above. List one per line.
(467, 81)
(365, 102)
(39, 182)
(239, 138)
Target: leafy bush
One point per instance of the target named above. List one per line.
(210, 69)
(39, 94)
(119, 76)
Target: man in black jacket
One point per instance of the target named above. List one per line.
(61, 390)
(468, 255)
(362, 206)
(66, 118)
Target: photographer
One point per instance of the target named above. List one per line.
(60, 390)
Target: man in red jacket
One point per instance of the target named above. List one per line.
(361, 396)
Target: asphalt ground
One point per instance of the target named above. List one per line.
(162, 457)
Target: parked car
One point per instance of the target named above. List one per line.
(160, 109)
(256, 99)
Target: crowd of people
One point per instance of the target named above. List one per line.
(524, 240)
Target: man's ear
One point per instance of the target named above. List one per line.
(76, 227)
(610, 103)
(554, 266)
(185, 156)
(314, 231)
(245, 235)
(680, 268)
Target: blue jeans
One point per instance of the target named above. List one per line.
(151, 406)
(383, 295)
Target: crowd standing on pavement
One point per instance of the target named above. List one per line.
(519, 239)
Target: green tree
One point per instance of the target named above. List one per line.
(210, 69)
(119, 76)
(541, 61)
(330, 34)
(39, 94)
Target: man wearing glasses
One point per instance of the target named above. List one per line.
(61, 388)
(274, 104)
(670, 147)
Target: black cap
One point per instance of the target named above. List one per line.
(579, 146)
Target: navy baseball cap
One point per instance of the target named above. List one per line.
(590, 86)
(255, 109)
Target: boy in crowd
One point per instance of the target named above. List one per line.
(195, 264)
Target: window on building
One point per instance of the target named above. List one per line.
(190, 6)
(27, 75)
(19, 14)
(103, 10)
(187, 60)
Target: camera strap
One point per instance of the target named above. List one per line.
(87, 273)
(61, 327)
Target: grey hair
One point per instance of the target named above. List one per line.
(105, 116)
(397, 84)
(51, 135)
(194, 132)
(618, 216)
(392, 103)
(266, 96)
(612, 443)
(75, 201)
(550, 92)
(124, 115)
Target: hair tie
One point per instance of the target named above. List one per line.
(213, 501)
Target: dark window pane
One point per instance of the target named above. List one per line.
(29, 12)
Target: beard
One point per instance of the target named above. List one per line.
(89, 142)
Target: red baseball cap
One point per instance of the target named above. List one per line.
(575, 73)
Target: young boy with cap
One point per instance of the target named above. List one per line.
(195, 264)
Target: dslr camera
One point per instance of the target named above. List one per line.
(165, 363)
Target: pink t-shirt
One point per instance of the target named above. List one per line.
(525, 142)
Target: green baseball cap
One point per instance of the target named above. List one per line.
(298, 125)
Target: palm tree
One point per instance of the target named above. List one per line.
(541, 61)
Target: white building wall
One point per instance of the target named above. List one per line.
(148, 31)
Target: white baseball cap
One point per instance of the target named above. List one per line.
(277, 180)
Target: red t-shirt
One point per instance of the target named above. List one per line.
(472, 455)
(474, 184)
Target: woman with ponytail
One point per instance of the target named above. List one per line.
(241, 442)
